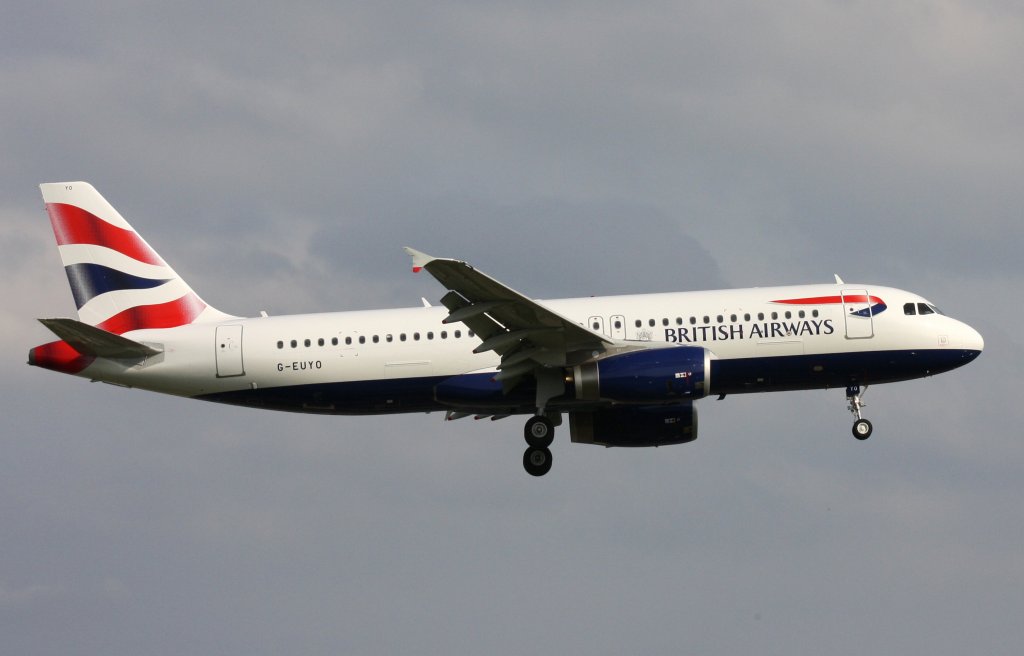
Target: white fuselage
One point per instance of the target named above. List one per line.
(391, 359)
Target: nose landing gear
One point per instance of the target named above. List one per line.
(861, 427)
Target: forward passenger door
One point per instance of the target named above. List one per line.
(857, 313)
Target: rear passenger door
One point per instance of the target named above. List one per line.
(228, 348)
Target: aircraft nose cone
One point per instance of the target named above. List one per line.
(973, 342)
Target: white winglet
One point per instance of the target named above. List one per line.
(419, 259)
(839, 281)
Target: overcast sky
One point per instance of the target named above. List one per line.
(279, 158)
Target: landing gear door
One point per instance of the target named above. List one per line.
(228, 347)
(857, 311)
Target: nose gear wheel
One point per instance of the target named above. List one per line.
(861, 427)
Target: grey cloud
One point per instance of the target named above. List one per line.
(575, 249)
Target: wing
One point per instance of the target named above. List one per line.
(528, 336)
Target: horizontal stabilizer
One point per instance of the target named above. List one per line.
(89, 340)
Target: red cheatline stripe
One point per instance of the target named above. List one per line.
(165, 315)
(73, 225)
(817, 300)
(826, 300)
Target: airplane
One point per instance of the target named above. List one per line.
(625, 369)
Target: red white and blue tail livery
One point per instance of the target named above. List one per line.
(624, 370)
(118, 281)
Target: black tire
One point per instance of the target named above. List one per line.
(537, 461)
(862, 429)
(539, 432)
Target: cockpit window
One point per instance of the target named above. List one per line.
(924, 308)
(909, 308)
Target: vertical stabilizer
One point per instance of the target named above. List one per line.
(118, 281)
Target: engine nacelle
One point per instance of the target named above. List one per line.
(635, 426)
(658, 375)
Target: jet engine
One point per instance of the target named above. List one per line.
(658, 375)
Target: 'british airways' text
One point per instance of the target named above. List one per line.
(765, 330)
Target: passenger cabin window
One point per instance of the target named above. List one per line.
(280, 344)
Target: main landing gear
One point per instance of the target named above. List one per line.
(862, 427)
(539, 433)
